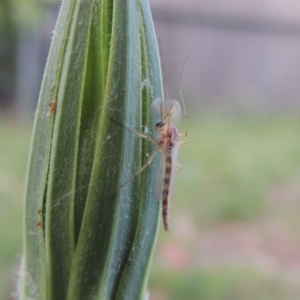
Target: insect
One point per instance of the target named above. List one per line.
(168, 110)
(168, 143)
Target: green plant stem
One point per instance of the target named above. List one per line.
(96, 240)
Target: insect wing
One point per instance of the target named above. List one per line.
(168, 110)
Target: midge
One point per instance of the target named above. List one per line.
(168, 144)
(168, 110)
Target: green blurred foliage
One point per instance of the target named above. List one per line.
(29, 12)
(236, 170)
(14, 151)
(231, 163)
(221, 284)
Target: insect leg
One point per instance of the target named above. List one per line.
(137, 173)
(178, 167)
(147, 137)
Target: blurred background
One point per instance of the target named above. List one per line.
(235, 213)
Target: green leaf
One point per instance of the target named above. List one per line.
(96, 240)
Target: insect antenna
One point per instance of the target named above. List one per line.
(166, 90)
(180, 91)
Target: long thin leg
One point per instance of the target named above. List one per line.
(181, 143)
(137, 173)
(178, 167)
(147, 137)
(185, 113)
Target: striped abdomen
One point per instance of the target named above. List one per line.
(166, 187)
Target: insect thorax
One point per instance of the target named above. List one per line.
(168, 133)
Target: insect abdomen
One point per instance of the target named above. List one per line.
(166, 187)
